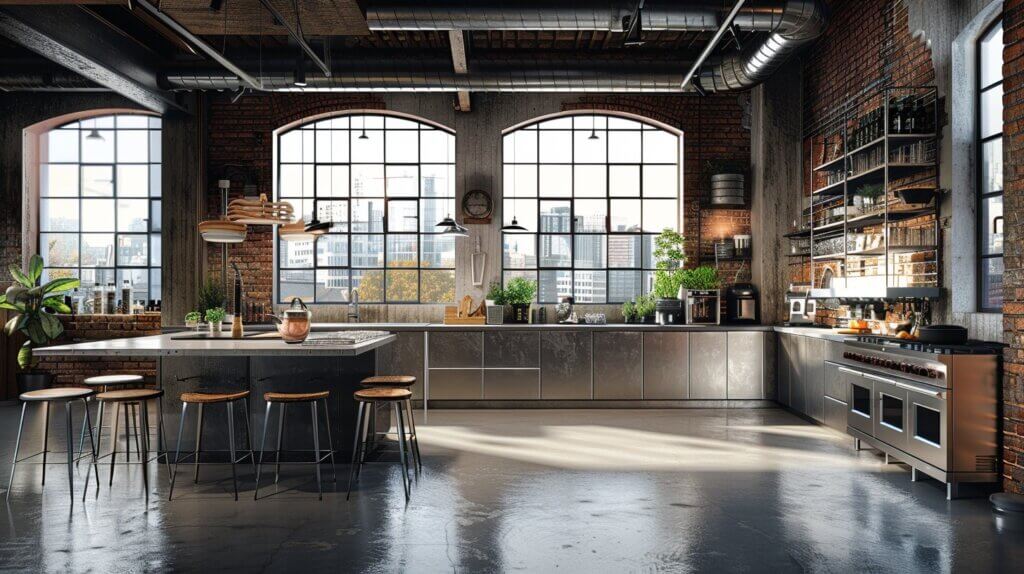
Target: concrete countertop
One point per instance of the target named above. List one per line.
(167, 346)
(817, 332)
(509, 326)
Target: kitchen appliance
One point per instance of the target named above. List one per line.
(294, 322)
(931, 406)
(741, 245)
(801, 309)
(668, 311)
(942, 334)
(742, 304)
(703, 307)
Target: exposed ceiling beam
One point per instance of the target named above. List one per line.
(459, 63)
(68, 36)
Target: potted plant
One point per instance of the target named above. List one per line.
(215, 319)
(629, 312)
(495, 295)
(669, 256)
(518, 294)
(192, 319)
(210, 295)
(645, 306)
(35, 306)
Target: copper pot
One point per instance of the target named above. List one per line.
(294, 322)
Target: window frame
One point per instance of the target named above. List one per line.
(645, 236)
(980, 141)
(153, 124)
(371, 231)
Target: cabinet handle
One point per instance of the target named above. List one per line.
(850, 371)
(880, 379)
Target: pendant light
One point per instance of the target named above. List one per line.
(317, 227)
(363, 135)
(260, 211)
(514, 225)
(94, 135)
(451, 228)
(295, 232)
(593, 134)
(222, 230)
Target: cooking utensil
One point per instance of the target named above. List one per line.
(294, 322)
(942, 334)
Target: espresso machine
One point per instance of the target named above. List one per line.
(741, 304)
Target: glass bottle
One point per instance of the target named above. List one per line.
(126, 296)
(97, 299)
(111, 296)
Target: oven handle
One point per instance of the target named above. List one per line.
(922, 390)
(849, 371)
(880, 379)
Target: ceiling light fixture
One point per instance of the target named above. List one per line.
(363, 135)
(593, 134)
(94, 135)
(514, 225)
(300, 71)
(222, 230)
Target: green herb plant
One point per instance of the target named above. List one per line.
(670, 257)
(211, 295)
(520, 291)
(496, 293)
(704, 278)
(629, 310)
(215, 315)
(35, 306)
(644, 306)
(192, 317)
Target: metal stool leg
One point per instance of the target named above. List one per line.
(316, 449)
(402, 448)
(199, 443)
(369, 434)
(99, 444)
(330, 443)
(46, 436)
(135, 426)
(113, 441)
(177, 454)
(231, 445)
(248, 435)
(161, 439)
(144, 423)
(17, 445)
(127, 432)
(263, 446)
(414, 439)
(71, 450)
(356, 446)
(81, 437)
(92, 448)
(280, 436)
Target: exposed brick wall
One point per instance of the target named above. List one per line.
(1013, 259)
(81, 328)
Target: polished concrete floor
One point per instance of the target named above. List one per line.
(533, 491)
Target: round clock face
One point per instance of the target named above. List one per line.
(476, 204)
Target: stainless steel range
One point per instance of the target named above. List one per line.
(933, 407)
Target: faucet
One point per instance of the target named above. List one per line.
(353, 306)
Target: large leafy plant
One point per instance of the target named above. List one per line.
(669, 256)
(35, 306)
(704, 278)
(520, 291)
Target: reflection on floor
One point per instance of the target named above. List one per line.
(539, 491)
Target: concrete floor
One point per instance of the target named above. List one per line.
(535, 491)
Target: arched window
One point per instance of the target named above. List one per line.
(384, 182)
(99, 203)
(990, 172)
(592, 191)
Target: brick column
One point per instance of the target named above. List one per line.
(1013, 278)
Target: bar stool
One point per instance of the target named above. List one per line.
(367, 399)
(283, 400)
(66, 395)
(398, 382)
(128, 397)
(202, 399)
(102, 384)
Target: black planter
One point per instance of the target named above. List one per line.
(520, 313)
(33, 381)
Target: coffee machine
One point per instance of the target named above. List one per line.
(742, 304)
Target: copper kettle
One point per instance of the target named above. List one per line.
(294, 322)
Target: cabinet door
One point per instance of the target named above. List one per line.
(666, 365)
(814, 390)
(404, 357)
(456, 384)
(746, 365)
(511, 384)
(456, 350)
(799, 385)
(785, 369)
(618, 366)
(835, 385)
(566, 363)
(709, 365)
(511, 350)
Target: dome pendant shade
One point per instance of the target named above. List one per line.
(220, 231)
(514, 226)
(295, 232)
(260, 211)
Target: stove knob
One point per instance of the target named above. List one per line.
(920, 371)
(905, 367)
(933, 374)
(848, 355)
(889, 364)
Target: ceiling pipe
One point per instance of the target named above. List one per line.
(296, 34)
(726, 25)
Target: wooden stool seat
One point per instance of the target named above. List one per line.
(127, 395)
(389, 381)
(207, 398)
(112, 380)
(382, 394)
(57, 394)
(295, 397)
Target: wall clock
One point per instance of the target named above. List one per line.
(477, 207)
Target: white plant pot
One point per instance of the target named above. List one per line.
(215, 328)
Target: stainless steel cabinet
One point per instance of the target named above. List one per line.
(835, 385)
(666, 365)
(566, 365)
(746, 365)
(618, 365)
(511, 384)
(784, 364)
(404, 357)
(709, 365)
(456, 384)
(813, 361)
(511, 349)
(456, 350)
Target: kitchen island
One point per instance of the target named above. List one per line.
(259, 362)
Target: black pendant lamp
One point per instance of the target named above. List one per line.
(514, 225)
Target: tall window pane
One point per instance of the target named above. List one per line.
(591, 190)
(990, 169)
(99, 204)
(383, 183)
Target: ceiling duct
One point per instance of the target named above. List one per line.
(789, 24)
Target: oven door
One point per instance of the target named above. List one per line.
(927, 409)
(891, 420)
(861, 408)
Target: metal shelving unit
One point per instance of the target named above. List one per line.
(889, 249)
